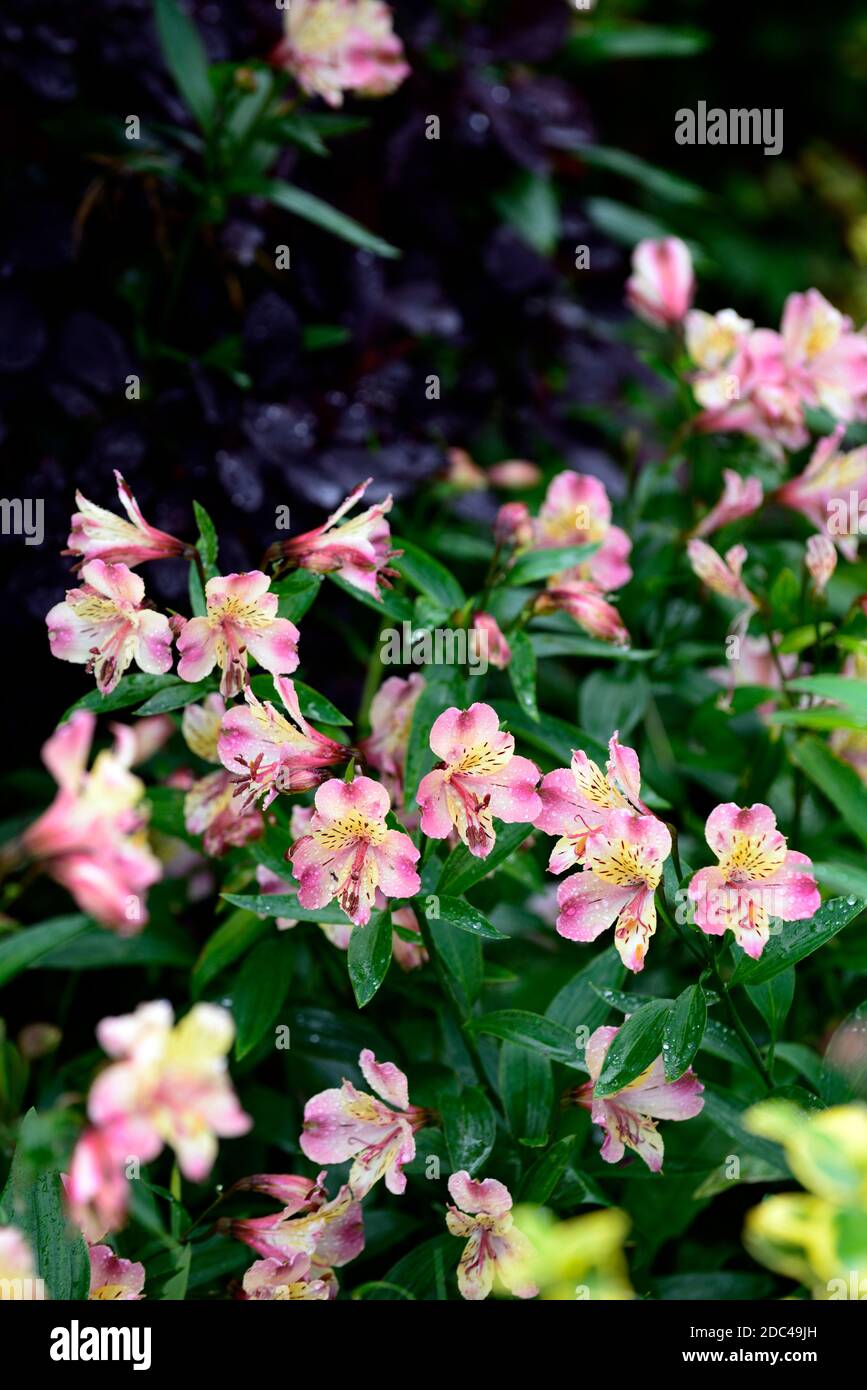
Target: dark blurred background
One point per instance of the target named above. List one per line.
(263, 387)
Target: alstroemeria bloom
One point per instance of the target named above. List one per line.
(831, 491)
(662, 284)
(113, 1278)
(391, 712)
(211, 808)
(628, 1116)
(753, 393)
(359, 550)
(576, 799)
(721, 574)
(495, 1247)
(17, 1266)
(337, 46)
(513, 524)
(757, 877)
(350, 852)
(490, 644)
(103, 625)
(623, 859)
(330, 1233)
(740, 498)
(168, 1084)
(514, 473)
(101, 535)
(755, 665)
(96, 1187)
(825, 357)
(266, 753)
(478, 777)
(586, 605)
(241, 620)
(296, 1278)
(712, 339)
(91, 839)
(349, 1124)
(821, 561)
(577, 511)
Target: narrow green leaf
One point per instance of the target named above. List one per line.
(312, 209)
(22, 949)
(296, 592)
(522, 673)
(683, 1031)
(462, 869)
(33, 1201)
(540, 564)
(578, 1004)
(470, 1128)
(286, 905)
(797, 940)
(313, 705)
(773, 999)
(230, 941)
(176, 696)
(457, 913)
(131, 690)
(369, 957)
(637, 1043)
(528, 1030)
(427, 575)
(836, 780)
(541, 1181)
(527, 1088)
(186, 59)
(260, 991)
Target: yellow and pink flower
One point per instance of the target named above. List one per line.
(328, 1233)
(576, 799)
(825, 357)
(577, 511)
(495, 1248)
(104, 625)
(758, 877)
(721, 574)
(478, 777)
(586, 605)
(92, 839)
(623, 859)
(741, 497)
(266, 753)
(337, 46)
(661, 287)
(98, 534)
(293, 1279)
(241, 620)
(359, 550)
(391, 712)
(378, 1135)
(349, 851)
(833, 482)
(629, 1117)
(211, 808)
(113, 1278)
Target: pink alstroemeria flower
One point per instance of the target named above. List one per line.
(17, 1266)
(490, 644)
(576, 799)
(577, 511)
(755, 665)
(721, 574)
(830, 491)
(821, 561)
(350, 1124)
(662, 284)
(336, 46)
(753, 393)
(241, 620)
(514, 525)
(330, 1233)
(741, 497)
(113, 1278)
(514, 473)
(91, 839)
(713, 339)
(169, 1084)
(211, 808)
(586, 605)
(391, 712)
(826, 358)
(350, 852)
(104, 626)
(757, 877)
(478, 777)
(266, 753)
(623, 866)
(297, 1278)
(495, 1247)
(628, 1117)
(359, 550)
(98, 534)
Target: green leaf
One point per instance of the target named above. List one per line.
(773, 999)
(457, 913)
(527, 1087)
(539, 564)
(612, 40)
(613, 699)
(296, 592)
(727, 1117)
(235, 936)
(541, 1182)
(578, 1005)
(206, 546)
(22, 949)
(837, 780)
(522, 673)
(550, 735)
(683, 1031)
(388, 605)
(33, 1201)
(427, 575)
(186, 59)
(422, 1273)
(170, 1272)
(658, 182)
(797, 940)
(555, 643)
(260, 991)
(286, 905)
(163, 942)
(369, 957)
(470, 1128)
(131, 690)
(175, 696)
(528, 1030)
(462, 869)
(637, 1043)
(312, 209)
(462, 954)
(531, 208)
(844, 689)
